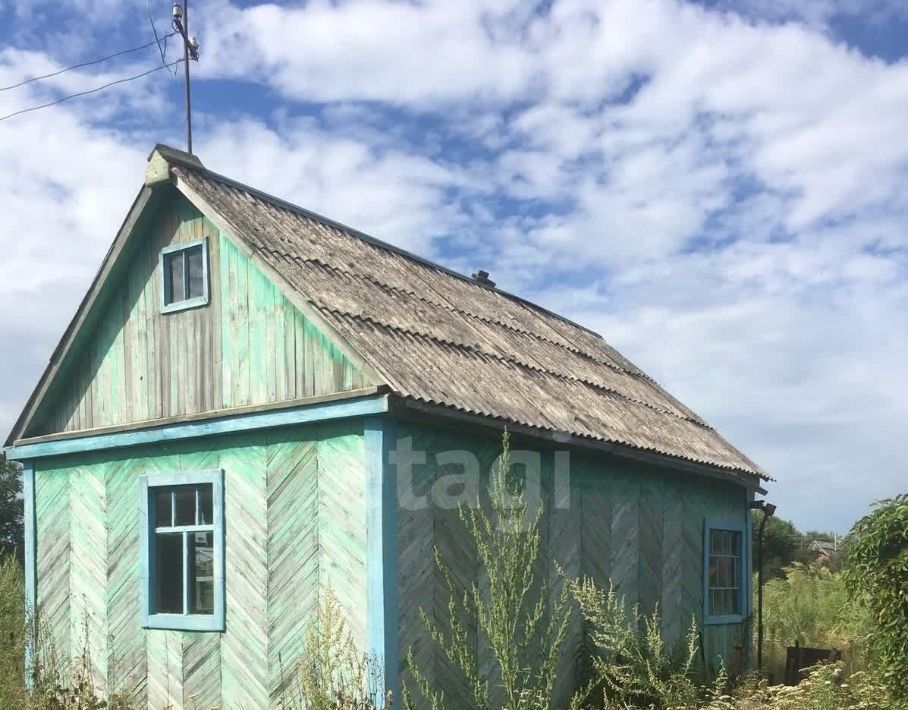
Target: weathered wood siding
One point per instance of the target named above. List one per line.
(294, 523)
(248, 346)
(634, 525)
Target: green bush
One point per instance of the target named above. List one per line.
(524, 625)
(56, 685)
(334, 674)
(12, 633)
(825, 688)
(810, 605)
(877, 574)
(632, 665)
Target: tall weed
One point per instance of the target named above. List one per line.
(811, 605)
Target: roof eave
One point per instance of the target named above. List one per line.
(404, 406)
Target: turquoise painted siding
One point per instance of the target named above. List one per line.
(295, 521)
(632, 524)
(248, 346)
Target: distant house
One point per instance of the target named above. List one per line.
(254, 402)
(825, 551)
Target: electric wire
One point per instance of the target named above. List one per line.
(154, 29)
(88, 64)
(91, 91)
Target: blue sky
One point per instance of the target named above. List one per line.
(719, 188)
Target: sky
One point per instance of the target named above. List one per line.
(717, 187)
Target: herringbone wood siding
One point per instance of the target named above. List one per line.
(635, 526)
(294, 520)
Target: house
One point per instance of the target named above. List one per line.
(254, 402)
(825, 551)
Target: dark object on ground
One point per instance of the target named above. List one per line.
(798, 658)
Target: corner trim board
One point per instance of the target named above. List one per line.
(31, 561)
(365, 406)
(382, 604)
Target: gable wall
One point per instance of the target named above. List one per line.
(295, 522)
(248, 346)
(635, 525)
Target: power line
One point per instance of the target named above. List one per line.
(92, 91)
(154, 29)
(88, 64)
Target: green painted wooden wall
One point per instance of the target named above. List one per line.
(249, 346)
(295, 522)
(633, 524)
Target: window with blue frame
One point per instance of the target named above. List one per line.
(184, 274)
(183, 550)
(725, 583)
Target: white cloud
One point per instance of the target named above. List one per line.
(723, 196)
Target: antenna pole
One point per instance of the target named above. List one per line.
(185, 34)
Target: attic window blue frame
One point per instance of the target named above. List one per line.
(726, 577)
(182, 550)
(184, 276)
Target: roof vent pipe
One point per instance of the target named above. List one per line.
(482, 278)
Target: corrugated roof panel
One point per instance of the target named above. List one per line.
(443, 339)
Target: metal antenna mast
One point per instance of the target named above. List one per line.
(190, 51)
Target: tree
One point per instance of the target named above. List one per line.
(10, 507)
(876, 573)
(782, 545)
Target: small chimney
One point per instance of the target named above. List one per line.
(482, 278)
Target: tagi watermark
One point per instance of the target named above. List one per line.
(460, 478)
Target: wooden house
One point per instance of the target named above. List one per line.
(218, 438)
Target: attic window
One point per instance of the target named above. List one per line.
(184, 272)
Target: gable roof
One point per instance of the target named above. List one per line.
(439, 338)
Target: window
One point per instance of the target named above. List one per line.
(726, 580)
(184, 270)
(183, 551)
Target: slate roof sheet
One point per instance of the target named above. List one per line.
(441, 338)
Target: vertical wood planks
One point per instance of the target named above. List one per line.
(249, 345)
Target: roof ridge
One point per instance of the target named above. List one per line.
(508, 359)
(374, 241)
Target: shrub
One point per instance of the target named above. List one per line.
(877, 574)
(823, 689)
(334, 674)
(12, 633)
(524, 628)
(632, 665)
(811, 605)
(55, 685)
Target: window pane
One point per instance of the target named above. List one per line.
(714, 601)
(201, 569)
(174, 265)
(185, 505)
(206, 515)
(196, 272)
(163, 517)
(169, 573)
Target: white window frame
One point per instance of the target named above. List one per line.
(187, 303)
